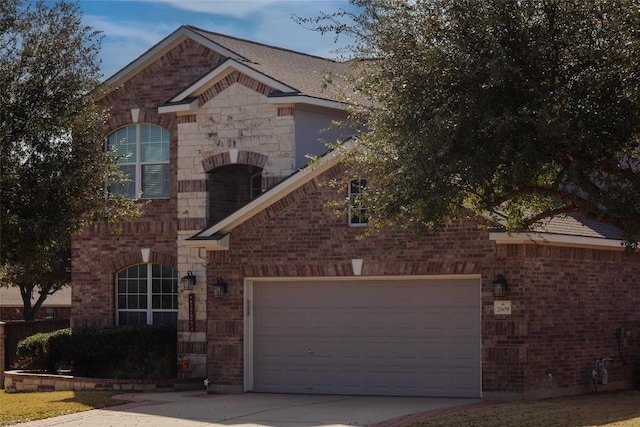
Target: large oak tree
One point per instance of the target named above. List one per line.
(53, 164)
(518, 109)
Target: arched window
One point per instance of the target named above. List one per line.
(357, 210)
(144, 152)
(147, 294)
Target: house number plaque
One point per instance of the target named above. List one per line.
(192, 312)
(502, 307)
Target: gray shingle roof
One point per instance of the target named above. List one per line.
(306, 73)
(576, 225)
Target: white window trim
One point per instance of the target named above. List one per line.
(149, 310)
(351, 207)
(139, 163)
(253, 190)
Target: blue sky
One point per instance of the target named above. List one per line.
(131, 27)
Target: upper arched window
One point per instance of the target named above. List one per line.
(144, 157)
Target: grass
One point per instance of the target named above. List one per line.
(619, 409)
(23, 407)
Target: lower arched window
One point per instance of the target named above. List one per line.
(147, 294)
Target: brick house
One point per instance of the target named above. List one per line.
(56, 306)
(288, 295)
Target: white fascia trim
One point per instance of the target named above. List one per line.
(304, 99)
(165, 45)
(396, 278)
(230, 64)
(221, 244)
(555, 240)
(191, 107)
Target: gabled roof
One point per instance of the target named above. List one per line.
(290, 73)
(302, 72)
(216, 237)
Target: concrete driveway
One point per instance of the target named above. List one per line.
(191, 409)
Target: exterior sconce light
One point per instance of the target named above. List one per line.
(219, 288)
(499, 286)
(188, 282)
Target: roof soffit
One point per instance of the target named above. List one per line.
(502, 238)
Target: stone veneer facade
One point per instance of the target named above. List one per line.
(235, 126)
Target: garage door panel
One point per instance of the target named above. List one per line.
(406, 351)
(322, 378)
(349, 351)
(291, 376)
(431, 348)
(289, 351)
(385, 338)
(365, 324)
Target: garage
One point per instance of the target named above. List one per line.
(406, 336)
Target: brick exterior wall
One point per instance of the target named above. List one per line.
(567, 305)
(567, 302)
(99, 251)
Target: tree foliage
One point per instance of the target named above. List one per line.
(53, 163)
(522, 110)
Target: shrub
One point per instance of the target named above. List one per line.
(132, 352)
(36, 353)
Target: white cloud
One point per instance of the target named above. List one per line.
(276, 27)
(237, 8)
(129, 34)
(124, 41)
(146, 33)
(242, 8)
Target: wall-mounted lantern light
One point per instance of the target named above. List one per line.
(499, 286)
(188, 282)
(219, 288)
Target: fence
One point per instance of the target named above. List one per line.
(12, 332)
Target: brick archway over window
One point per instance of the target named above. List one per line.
(119, 120)
(244, 158)
(135, 257)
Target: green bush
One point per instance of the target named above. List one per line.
(36, 352)
(132, 352)
(32, 352)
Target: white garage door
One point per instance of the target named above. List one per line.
(375, 337)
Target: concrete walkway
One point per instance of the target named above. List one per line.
(196, 408)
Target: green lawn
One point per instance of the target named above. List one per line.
(23, 407)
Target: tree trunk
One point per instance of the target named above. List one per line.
(26, 291)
